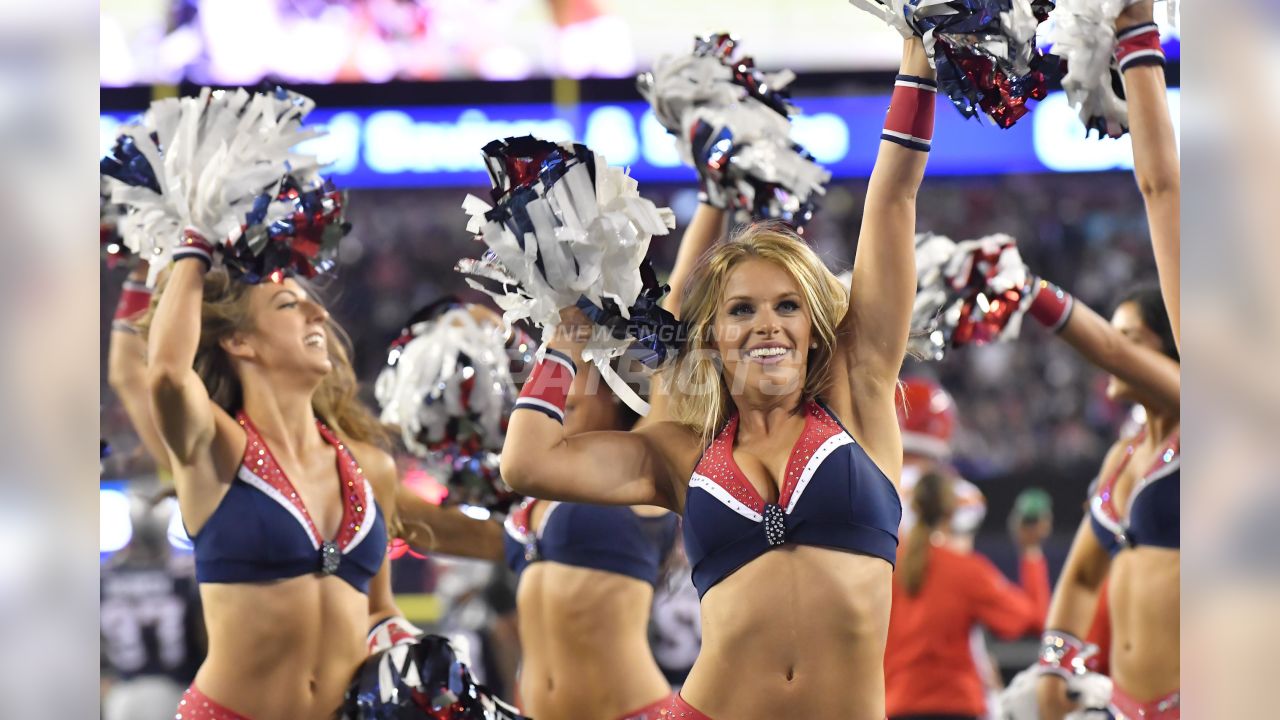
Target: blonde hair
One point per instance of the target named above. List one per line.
(699, 395)
(225, 310)
(933, 500)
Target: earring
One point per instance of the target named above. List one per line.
(813, 345)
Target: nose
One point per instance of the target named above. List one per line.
(316, 312)
(767, 322)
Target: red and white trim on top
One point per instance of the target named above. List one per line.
(719, 475)
(260, 470)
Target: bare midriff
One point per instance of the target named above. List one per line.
(283, 650)
(1145, 605)
(798, 632)
(585, 645)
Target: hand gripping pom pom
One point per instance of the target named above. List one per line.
(447, 385)
(567, 229)
(1082, 34)
(220, 165)
(732, 124)
(423, 680)
(968, 293)
(1018, 700)
(984, 51)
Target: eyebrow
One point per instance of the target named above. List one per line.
(783, 296)
(284, 290)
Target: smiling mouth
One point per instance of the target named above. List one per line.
(314, 340)
(767, 355)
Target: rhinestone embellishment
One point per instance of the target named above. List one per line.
(775, 524)
(330, 557)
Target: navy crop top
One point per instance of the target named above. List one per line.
(833, 496)
(1154, 511)
(597, 537)
(262, 531)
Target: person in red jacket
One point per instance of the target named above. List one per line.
(939, 595)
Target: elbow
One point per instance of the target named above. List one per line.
(517, 472)
(1159, 185)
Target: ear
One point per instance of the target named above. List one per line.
(237, 347)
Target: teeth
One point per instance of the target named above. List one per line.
(766, 352)
(314, 339)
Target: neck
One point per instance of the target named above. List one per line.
(760, 416)
(283, 415)
(1160, 424)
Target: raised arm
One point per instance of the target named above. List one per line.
(182, 409)
(1155, 146)
(706, 227)
(884, 273)
(127, 368)
(1157, 375)
(610, 467)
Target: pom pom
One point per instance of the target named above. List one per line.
(1083, 34)
(110, 217)
(972, 292)
(984, 51)
(733, 127)
(302, 239)
(448, 387)
(423, 679)
(220, 164)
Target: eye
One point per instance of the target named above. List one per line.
(740, 309)
(788, 306)
(285, 306)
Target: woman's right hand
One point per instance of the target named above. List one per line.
(573, 332)
(1051, 696)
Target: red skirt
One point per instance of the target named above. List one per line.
(195, 705)
(1125, 707)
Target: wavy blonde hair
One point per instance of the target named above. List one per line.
(225, 310)
(699, 395)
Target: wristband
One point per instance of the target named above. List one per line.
(134, 301)
(391, 632)
(1139, 45)
(1050, 304)
(547, 389)
(910, 119)
(1061, 653)
(193, 245)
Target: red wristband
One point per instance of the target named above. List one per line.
(1139, 45)
(910, 119)
(1061, 653)
(547, 389)
(134, 300)
(193, 245)
(1050, 304)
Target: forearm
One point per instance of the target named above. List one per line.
(127, 376)
(1104, 346)
(174, 336)
(899, 169)
(704, 230)
(448, 531)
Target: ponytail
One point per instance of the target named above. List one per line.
(934, 501)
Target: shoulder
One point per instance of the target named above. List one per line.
(378, 466)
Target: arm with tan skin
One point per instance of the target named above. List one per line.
(877, 323)
(705, 229)
(183, 411)
(1104, 346)
(448, 531)
(380, 469)
(607, 468)
(127, 376)
(1155, 164)
(1075, 601)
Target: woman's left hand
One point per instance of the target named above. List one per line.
(1138, 13)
